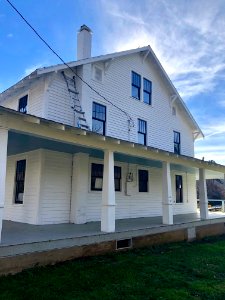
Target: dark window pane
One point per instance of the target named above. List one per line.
(20, 180)
(96, 177)
(22, 107)
(98, 118)
(136, 85)
(176, 142)
(147, 91)
(98, 126)
(143, 180)
(142, 131)
(135, 92)
(147, 98)
(141, 138)
(117, 178)
(179, 189)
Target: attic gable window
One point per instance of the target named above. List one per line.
(136, 85)
(147, 91)
(176, 142)
(22, 107)
(98, 74)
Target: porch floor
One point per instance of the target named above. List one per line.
(15, 233)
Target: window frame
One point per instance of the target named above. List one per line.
(142, 133)
(177, 145)
(17, 182)
(21, 109)
(146, 91)
(134, 85)
(140, 187)
(99, 119)
(119, 178)
(181, 190)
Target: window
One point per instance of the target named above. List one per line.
(98, 118)
(98, 73)
(19, 181)
(97, 177)
(147, 92)
(142, 131)
(22, 107)
(136, 85)
(143, 180)
(176, 142)
(179, 189)
(117, 178)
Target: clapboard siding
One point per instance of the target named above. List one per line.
(26, 212)
(55, 187)
(116, 87)
(132, 204)
(35, 104)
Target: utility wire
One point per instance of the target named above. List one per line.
(62, 60)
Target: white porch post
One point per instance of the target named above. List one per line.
(203, 200)
(3, 162)
(79, 188)
(108, 194)
(167, 199)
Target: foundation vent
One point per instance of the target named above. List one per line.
(123, 244)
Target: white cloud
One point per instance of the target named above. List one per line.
(189, 39)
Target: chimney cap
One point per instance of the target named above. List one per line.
(85, 27)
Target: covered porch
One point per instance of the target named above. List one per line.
(23, 133)
(28, 242)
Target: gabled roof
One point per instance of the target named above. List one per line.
(102, 58)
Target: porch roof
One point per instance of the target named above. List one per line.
(34, 131)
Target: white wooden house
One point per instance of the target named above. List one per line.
(61, 127)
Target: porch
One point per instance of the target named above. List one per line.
(20, 238)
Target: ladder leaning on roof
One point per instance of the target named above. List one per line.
(79, 115)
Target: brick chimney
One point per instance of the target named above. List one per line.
(84, 39)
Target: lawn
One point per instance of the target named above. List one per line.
(176, 271)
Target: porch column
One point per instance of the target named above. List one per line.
(203, 200)
(79, 188)
(167, 199)
(3, 162)
(108, 194)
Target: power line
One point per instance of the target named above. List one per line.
(62, 60)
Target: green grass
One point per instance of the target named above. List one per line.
(176, 271)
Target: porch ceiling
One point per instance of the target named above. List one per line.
(21, 143)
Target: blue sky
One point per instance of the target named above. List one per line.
(188, 37)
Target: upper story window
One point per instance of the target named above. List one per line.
(20, 181)
(176, 142)
(97, 177)
(22, 106)
(136, 85)
(142, 132)
(143, 180)
(147, 91)
(98, 118)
